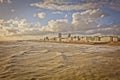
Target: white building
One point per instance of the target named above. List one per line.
(106, 39)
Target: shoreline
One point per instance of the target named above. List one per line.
(92, 43)
(87, 43)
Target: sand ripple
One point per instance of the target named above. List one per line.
(54, 61)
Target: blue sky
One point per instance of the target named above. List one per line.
(24, 10)
(52, 15)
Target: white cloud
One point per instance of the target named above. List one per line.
(62, 5)
(81, 22)
(12, 10)
(16, 27)
(113, 4)
(21, 23)
(108, 30)
(58, 26)
(31, 31)
(3, 31)
(77, 4)
(66, 16)
(12, 30)
(37, 25)
(87, 19)
(1, 22)
(58, 1)
(13, 26)
(57, 12)
(41, 15)
(85, 22)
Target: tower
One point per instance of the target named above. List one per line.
(59, 35)
(69, 35)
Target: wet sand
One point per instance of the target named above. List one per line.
(58, 61)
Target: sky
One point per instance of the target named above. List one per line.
(49, 17)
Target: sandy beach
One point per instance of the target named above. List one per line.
(27, 60)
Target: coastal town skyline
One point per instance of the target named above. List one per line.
(39, 18)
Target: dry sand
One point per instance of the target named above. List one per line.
(58, 61)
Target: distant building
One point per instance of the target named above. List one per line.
(106, 39)
(93, 39)
(70, 38)
(97, 39)
(89, 39)
(69, 35)
(83, 39)
(76, 38)
(46, 39)
(64, 39)
(59, 35)
(58, 39)
(115, 39)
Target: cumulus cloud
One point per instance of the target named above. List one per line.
(85, 22)
(62, 5)
(41, 15)
(81, 22)
(12, 28)
(21, 23)
(3, 31)
(37, 25)
(113, 4)
(108, 30)
(31, 31)
(87, 19)
(18, 27)
(77, 4)
(58, 26)
(1, 21)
